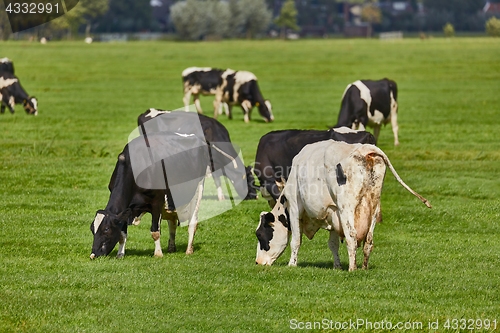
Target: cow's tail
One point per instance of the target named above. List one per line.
(388, 163)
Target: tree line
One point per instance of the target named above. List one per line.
(206, 19)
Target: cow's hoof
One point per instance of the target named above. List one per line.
(158, 254)
(189, 251)
(339, 267)
(171, 249)
(120, 255)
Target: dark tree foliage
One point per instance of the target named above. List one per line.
(126, 16)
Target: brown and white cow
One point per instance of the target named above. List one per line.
(334, 186)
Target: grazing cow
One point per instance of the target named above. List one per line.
(11, 93)
(205, 81)
(128, 202)
(241, 89)
(214, 133)
(277, 149)
(334, 186)
(370, 103)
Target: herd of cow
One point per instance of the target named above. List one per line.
(312, 179)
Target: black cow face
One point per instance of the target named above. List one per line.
(265, 111)
(107, 229)
(252, 188)
(31, 105)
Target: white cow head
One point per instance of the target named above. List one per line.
(272, 233)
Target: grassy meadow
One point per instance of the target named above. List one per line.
(428, 266)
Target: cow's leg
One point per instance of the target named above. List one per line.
(333, 244)
(172, 228)
(296, 239)
(247, 107)
(217, 104)
(220, 193)
(346, 217)
(121, 242)
(368, 246)
(229, 111)
(196, 99)
(226, 108)
(376, 131)
(185, 100)
(394, 120)
(2, 108)
(155, 230)
(193, 223)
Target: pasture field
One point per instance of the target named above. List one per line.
(428, 266)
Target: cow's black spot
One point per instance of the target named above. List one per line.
(341, 177)
(265, 231)
(284, 220)
(282, 200)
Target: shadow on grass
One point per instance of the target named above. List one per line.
(181, 249)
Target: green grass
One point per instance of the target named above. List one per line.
(427, 265)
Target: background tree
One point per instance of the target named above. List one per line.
(493, 27)
(217, 16)
(256, 17)
(5, 29)
(371, 14)
(236, 18)
(126, 16)
(449, 30)
(287, 18)
(187, 17)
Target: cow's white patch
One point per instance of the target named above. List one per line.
(227, 72)
(12, 102)
(344, 130)
(4, 60)
(244, 76)
(97, 221)
(364, 92)
(190, 70)
(6, 82)
(377, 118)
(154, 112)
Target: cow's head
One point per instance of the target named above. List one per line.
(252, 188)
(31, 105)
(272, 233)
(266, 111)
(107, 230)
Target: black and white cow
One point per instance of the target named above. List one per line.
(128, 202)
(334, 186)
(11, 93)
(277, 149)
(205, 81)
(214, 132)
(370, 103)
(242, 89)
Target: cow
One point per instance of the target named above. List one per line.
(370, 103)
(334, 186)
(134, 193)
(205, 81)
(276, 150)
(13, 93)
(214, 133)
(128, 202)
(242, 89)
